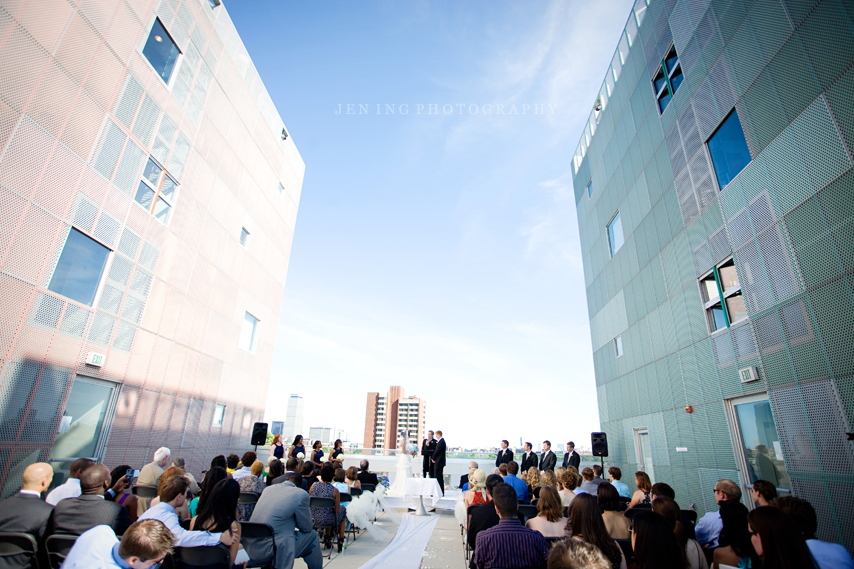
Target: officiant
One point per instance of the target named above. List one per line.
(427, 448)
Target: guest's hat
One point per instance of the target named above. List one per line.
(479, 478)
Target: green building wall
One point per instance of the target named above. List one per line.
(787, 220)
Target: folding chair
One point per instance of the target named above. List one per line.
(58, 546)
(142, 491)
(260, 543)
(20, 546)
(202, 557)
(355, 492)
(469, 512)
(345, 499)
(247, 498)
(368, 487)
(325, 504)
(527, 512)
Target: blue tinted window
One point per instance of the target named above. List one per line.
(590, 189)
(659, 83)
(676, 80)
(728, 149)
(718, 317)
(79, 269)
(615, 234)
(662, 102)
(161, 51)
(671, 60)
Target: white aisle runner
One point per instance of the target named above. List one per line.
(407, 547)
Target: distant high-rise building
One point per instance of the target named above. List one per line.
(386, 414)
(293, 419)
(277, 427)
(322, 434)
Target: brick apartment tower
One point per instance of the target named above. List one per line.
(387, 413)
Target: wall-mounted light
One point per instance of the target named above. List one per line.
(689, 408)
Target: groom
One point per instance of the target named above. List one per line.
(438, 461)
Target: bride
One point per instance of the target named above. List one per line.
(404, 465)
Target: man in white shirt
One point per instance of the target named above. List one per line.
(826, 555)
(173, 496)
(71, 488)
(710, 525)
(143, 545)
(246, 463)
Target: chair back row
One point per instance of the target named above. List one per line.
(142, 491)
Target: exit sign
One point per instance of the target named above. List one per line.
(748, 374)
(95, 359)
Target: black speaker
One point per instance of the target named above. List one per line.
(599, 442)
(259, 434)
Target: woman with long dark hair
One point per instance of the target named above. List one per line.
(125, 499)
(615, 522)
(641, 496)
(317, 453)
(777, 541)
(276, 469)
(337, 450)
(296, 448)
(213, 476)
(585, 524)
(655, 544)
(219, 513)
(734, 547)
(667, 508)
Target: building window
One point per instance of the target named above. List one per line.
(249, 333)
(667, 79)
(161, 51)
(244, 236)
(79, 269)
(156, 192)
(615, 233)
(214, 3)
(728, 149)
(722, 298)
(219, 415)
(618, 346)
(589, 188)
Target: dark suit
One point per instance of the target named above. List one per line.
(482, 518)
(25, 513)
(571, 460)
(439, 463)
(367, 478)
(76, 515)
(504, 456)
(427, 449)
(529, 461)
(548, 461)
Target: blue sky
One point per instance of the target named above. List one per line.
(436, 251)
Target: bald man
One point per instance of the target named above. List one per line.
(26, 512)
(76, 515)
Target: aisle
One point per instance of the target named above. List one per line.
(407, 547)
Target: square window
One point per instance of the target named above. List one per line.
(79, 269)
(615, 234)
(589, 188)
(214, 3)
(717, 320)
(709, 288)
(735, 308)
(249, 333)
(160, 51)
(156, 192)
(728, 149)
(667, 79)
(244, 236)
(618, 345)
(219, 415)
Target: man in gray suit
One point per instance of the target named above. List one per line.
(76, 515)
(284, 507)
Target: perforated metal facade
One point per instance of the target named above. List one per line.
(81, 112)
(787, 220)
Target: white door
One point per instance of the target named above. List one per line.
(644, 452)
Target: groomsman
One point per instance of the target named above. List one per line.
(427, 448)
(571, 458)
(505, 455)
(438, 461)
(549, 459)
(529, 459)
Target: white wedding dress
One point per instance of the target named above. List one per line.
(403, 469)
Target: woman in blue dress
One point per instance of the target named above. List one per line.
(296, 447)
(317, 453)
(337, 450)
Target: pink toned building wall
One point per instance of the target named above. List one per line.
(81, 111)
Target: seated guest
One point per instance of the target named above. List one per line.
(464, 479)
(509, 544)
(213, 476)
(173, 495)
(615, 522)
(597, 474)
(669, 510)
(219, 514)
(218, 461)
(763, 492)
(126, 498)
(660, 489)
(734, 542)
(550, 521)
(285, 508)
(25, 512)
(641, 496)
(709, 526)
(502, 470)
(547, 478)
(615, 474)
(274, 472)
(74, 516)
(144, 544)
(574, 554)
(366, 477)
(251, 484)
(585, 524)
(245, 466)
(339, 481)
(184, 511)
(309, 476)
(71, 488)
(802, 516)
(777, 541)
(569, 481)
(533, 481)
(232, 462)
(484, 517)
(180, 463)
(476, 495)
(352, 478)
(587, 484)
(323, 488)
(655, 544)
(151, 474)
(518, 485)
